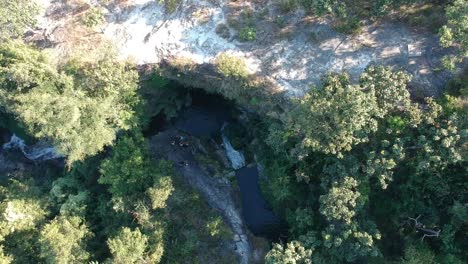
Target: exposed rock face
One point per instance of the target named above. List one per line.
(217, 192)
(294, 55)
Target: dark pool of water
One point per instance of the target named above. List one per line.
(260, 219)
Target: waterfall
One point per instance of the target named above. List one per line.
(40, 151)
(235, 157)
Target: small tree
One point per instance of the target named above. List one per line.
(5, 259)
(231, 66)
(93, 17)
(292, 253)
(128, 246)
(389, 87)
(130, 170)
(62, 241)
(455, 33)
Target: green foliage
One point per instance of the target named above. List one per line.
(248, 34)
(344, 237)
(320, 7)
(62, 240)
(23, 246)
(339, 203)
(287, 5)
(130, 169)
(418, 255)
(127, 246)
(161, 191)
(336, 117)
(216, 228)
(292, 253)
(396, 169)
(17, 16)
(93, 17)
(21, 207)
(78, 111)
(71, 196)
(163, 96)
(455, 33)
(231, 66)
(389, 87)
(195, 232)
(350, 25)
(5, 259)
(170, 5)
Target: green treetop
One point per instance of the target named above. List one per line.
(455, 32)
(128, 246)
(336, 117)
(79, 111)
(62, 240)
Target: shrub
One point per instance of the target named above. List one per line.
(231, 66)
(170, 5)
(93, 17)
(351, 25)
(248, 34)
(287, 5)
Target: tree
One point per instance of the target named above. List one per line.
(336, 117)
(455, 33)
(128, 246)
(340, 201)
(5, 259)
(292, 253)
(345, 238)
(79, 110)
(231, 66)
(160, 192)
(17, 16)
(70, 195)
(130, 170)
(418, 255)
(63, 240)
(21, 208)
(388, 87)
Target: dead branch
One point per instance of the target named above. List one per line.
(421, 228)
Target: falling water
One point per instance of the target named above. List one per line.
(40, 151)
(236, 158)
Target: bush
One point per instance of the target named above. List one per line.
(231, 66)
(350, 25)
(287, 5)
(170, 5)
(248, 34)
(93, 17)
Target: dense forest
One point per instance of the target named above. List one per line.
(358, 171)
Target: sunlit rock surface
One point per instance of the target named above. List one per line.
(294, 56)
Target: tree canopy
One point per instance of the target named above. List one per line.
(17, 16)
(79, 110)
(455, 32)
